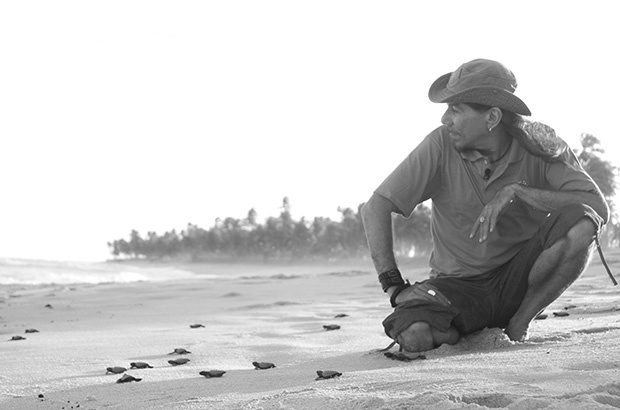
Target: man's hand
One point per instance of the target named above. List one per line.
(420, 291)
(487, 220)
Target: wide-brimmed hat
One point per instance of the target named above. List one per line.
(479, 81)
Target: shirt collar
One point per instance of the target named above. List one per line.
(515, 153)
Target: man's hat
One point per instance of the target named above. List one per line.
(479, 81)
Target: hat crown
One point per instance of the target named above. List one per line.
(482, 73)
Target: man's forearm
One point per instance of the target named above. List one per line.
(377, 219)
(549, 201)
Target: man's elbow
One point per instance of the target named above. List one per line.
(604, 212)
(601, 208)
(377, 204)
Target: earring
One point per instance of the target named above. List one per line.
(490, 128)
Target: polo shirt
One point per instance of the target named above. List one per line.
(455, 183)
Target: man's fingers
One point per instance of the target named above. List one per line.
(481, 225)
(474, 228)
(492, 224)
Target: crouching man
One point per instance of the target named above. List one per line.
(514, 215)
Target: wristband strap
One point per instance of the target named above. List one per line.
(390, 278)
(397, 292)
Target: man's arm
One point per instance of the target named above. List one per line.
(377, 219)
(542, 200)
(551, 200)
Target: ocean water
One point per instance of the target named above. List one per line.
(38, 272)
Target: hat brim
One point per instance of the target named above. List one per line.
(486, 95)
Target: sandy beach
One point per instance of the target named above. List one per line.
(276, 314)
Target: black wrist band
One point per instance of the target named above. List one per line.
(397, 291)
(390, 278)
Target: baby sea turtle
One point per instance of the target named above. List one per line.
(126, 378)
(561, 314)
(263, 365)
(140, 365)
(339, 315)
(568, 307)
(327, 374)
(180, 350)
(49, 306)
(196, 326)
(212, 373)
(115, 370)
(18, 338)
(178, 362)
(331, 327)
(32, 331)
(542, 316)
(404, 357)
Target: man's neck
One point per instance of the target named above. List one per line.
(500, 145)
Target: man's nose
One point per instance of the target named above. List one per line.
(446, 118)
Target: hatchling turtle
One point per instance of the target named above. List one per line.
(404, 357)
(18, 338)
(180, 350)
(31, 331)
(212, 373)
(196, 326)
(331, 327)
(126, 378)
(561, 314)
(263, 365)
(115, 370)
(327, 374)
(140, 365)
(178, 362)
(339, 315)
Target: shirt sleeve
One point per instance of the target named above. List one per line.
(568, 175)
(417, 176)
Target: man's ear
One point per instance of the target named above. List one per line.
(494, 117)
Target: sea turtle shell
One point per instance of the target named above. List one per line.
(178, 362)
(180, 350)
(404, 357)
(126, 378)
(327, 374)
(140, 365)
(116, 370)
(212, 373)
(263, 365)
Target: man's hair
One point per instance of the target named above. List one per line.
(537, 138)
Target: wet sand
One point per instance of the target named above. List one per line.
(277, 315)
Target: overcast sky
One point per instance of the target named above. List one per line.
(147, 115)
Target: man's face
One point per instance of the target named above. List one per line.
(466, 126)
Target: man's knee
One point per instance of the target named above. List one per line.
(572, 228)
(582, 234)
(417, 338)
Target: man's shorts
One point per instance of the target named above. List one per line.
(489, 299)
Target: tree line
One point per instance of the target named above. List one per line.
(284, 238)
(278, 238)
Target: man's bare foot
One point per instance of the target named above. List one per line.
(517, 333)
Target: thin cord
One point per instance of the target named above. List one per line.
(504, 154)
